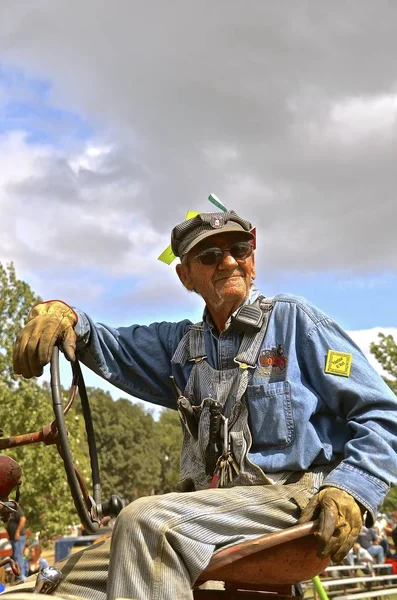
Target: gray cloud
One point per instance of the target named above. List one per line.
(287, 111)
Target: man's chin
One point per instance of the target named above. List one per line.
(232, 288)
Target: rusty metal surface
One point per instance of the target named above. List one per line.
(228, 555)
(283, 558)
(72, 395)
(10, 475)
(48, 435)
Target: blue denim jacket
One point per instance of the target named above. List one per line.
(300, 415)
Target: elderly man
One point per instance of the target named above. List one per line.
(283, 417)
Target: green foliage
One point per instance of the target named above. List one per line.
(169, 444)
(125, 436)
(16, 300)
(386, 354)
(45, 495)
(137, 454)
(390, 502)
(25, 408)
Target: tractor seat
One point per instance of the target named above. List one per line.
(272, 562)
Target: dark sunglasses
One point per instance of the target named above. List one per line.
(213, 256)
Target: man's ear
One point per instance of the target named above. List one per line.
(184, 276)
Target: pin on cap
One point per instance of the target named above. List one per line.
(217, 222)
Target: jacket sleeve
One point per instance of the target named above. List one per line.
(362, 399)
(136, 359)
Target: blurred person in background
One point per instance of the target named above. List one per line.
(368, 540)
(380, 526)
(34, 562)
(391, 530)
(17, 533)
(361, 556)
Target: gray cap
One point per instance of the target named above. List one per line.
(189, 233)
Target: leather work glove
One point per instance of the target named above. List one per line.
(49, 323)
(339, 521)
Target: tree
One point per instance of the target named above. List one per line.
(137, 455)
(16, 300)
(45, 494)
(25, 408)
(169, 445)
(390, 502)
(126, 441)
(386, 353)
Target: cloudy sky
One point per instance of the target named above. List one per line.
(118, 117)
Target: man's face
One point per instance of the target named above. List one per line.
(228, 282)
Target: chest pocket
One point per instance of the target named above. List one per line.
(270, 415)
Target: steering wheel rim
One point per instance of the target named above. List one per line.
(88, 507)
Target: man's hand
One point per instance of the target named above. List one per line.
(339, 521)
(49, 323)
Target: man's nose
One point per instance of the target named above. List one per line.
(228, 261)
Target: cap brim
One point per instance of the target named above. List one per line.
(229, 227)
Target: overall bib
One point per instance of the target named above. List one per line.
(201, 444)
(227, 387)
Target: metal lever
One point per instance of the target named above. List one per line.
(14, 566)
(47, 580)
(112, 507)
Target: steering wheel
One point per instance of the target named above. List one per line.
(90, 507)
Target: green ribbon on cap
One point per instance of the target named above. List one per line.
(215, 200)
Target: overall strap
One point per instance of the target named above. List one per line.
(252, 342)
(197, 343)
(192, 345)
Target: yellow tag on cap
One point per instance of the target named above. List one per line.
(338, 363)
(190, 214)
(167, 256)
